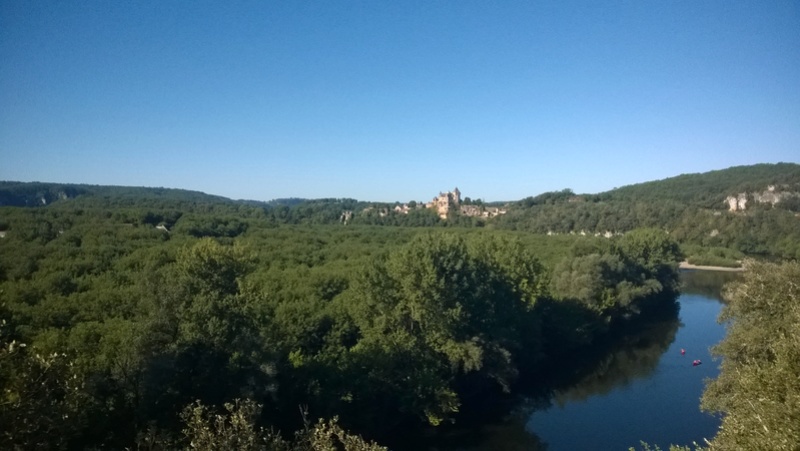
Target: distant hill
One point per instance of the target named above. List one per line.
(709, 189)
(36, 194)
(21, 194)
(752, 209)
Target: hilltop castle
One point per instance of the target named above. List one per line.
(444, 201)
(444, 204)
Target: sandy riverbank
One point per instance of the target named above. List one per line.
(687, 265)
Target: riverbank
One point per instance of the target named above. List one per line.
(687, 265)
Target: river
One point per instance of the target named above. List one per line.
(642, 388)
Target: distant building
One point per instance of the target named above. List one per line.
(444, 202)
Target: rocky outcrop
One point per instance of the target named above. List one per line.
(769, 196)
(33, 194)
(737, 203)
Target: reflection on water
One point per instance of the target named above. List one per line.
(632, 358)
(508, 435)
(637, 387)
(706, 283)
(645, 389)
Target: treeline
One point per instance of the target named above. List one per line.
(134, 204)
(112, 327)
(691, 207)
(762, 230)
(38, 194)
(709, 189)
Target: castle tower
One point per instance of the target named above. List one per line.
(456, 196)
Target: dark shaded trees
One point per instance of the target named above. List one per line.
(458, 309)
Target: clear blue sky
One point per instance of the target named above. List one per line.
(394, 100)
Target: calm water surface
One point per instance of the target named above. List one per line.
(643, 389)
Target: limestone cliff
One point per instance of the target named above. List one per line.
(770, 196)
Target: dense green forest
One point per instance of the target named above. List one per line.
(160, 318)
(120, 314)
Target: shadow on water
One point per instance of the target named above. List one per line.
(625, 359)
(632, 353)
(632, 356)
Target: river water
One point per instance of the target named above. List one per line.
(642, 389)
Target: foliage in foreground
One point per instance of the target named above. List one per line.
(41, 399)
(758, 388)
(236, 430)
(646, 447)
